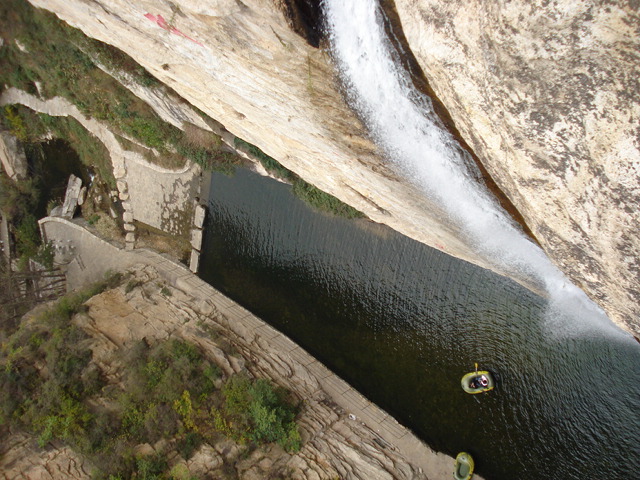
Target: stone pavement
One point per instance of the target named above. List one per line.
(157, 196)
(88, 258)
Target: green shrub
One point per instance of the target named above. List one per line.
(18, 199)
(133, 416)
(169, 390)
(189, 444)
(45, 255)
(260, 412)
(15, 123)
(150, 468)
(313, 196)
(27, 235)
(323, 201)
(269, 163)
(184, 407)
(69, 424)
(160, 421)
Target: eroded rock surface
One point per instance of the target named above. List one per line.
(334, 446)
(12, 157)
(244, 66)
(545, 93)
(20, 459)
(548, 96)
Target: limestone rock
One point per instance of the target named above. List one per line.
(547, 95)
(20, 459)
(143, 450)
(116, 319)
(12, 157)
(198, 216)
(119, 171)
(204, 462)
(196, 238)
(194, 261)
(21, 46)
(122, 186)
(70, 204)
(271, 89)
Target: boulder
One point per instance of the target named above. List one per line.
(70, 204)
(196, 239)
(199, 215)
(12, 156)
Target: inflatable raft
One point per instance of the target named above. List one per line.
(464, 467)
(478, 381)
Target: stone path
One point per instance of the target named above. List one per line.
(88, 258)
(153, 195)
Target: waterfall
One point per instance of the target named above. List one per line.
(403, 122)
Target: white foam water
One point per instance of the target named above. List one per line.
(403, 122)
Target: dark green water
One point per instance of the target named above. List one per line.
(403, 322)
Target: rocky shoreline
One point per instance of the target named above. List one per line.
(343, 435)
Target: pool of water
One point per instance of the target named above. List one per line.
(403, 322)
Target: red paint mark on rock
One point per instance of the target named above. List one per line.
(162, 23)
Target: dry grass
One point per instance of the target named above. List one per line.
(175, 247)
(200, 138)
(108, 228)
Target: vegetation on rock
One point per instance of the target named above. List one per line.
(44, 56)
(313, 196)
(170, 390)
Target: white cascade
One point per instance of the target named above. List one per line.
(402, 121)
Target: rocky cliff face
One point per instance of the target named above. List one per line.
(544, 94)
(244, 66)
(548, 96)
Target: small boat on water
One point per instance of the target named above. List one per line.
(464, 466)
(478, 381)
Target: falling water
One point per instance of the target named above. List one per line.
(402, 322)
(403, 122)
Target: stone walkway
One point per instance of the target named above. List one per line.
(153, 195)
(88, 258)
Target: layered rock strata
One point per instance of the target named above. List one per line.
(334, 445)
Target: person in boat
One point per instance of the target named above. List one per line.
(479, 382)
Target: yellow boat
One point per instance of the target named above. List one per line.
(464, 466)
(478, 381)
